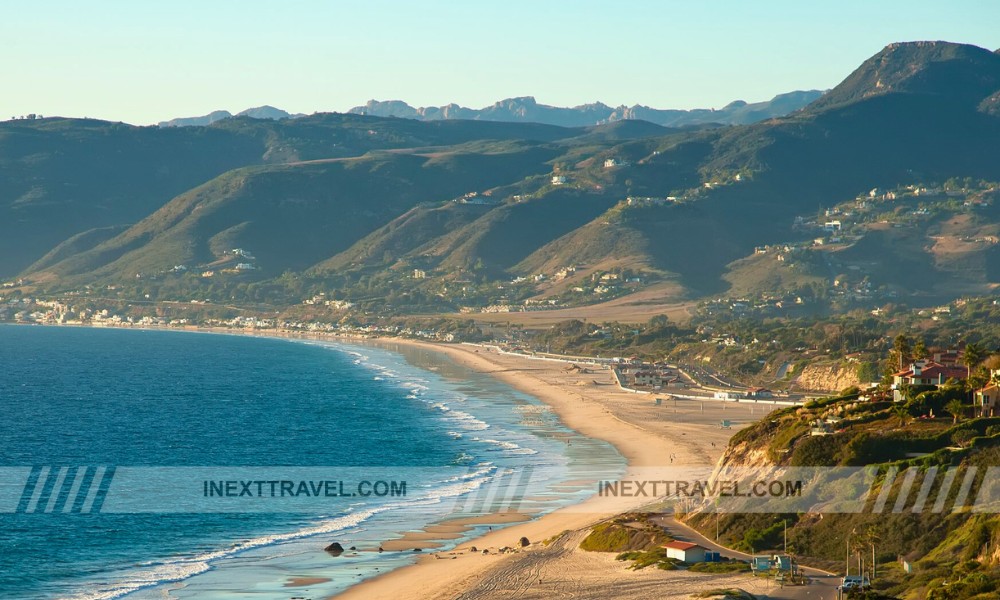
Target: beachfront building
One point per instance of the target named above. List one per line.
(685, 551)
(646, 378)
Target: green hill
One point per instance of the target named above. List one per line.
(62, 177)
(960, 71)
(915, 515)
(291, 217)
(331, 193)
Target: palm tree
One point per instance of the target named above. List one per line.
(901, 412)
(956, 408)
(902, 347)
(972, 356)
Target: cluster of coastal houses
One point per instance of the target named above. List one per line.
(936, 371)
(635, 373)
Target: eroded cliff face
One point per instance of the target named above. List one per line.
(827, 377)
(744, 455)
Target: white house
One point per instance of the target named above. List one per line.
(987, 400)
(685, 551)
(642, 378)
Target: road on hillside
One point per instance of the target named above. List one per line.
(821, 586)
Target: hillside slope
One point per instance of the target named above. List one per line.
(291, 217)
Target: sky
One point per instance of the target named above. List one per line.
(142, 62)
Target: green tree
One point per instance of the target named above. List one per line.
(658, 322)
(972, 355)
(956, 408)
(903, 349)
(993, 365)
(902, 412)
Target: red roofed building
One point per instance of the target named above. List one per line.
(948, 358)
(685, 551)
(925, 372)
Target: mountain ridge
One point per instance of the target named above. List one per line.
(527, 108)
(352, 202)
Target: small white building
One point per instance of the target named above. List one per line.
(558, 179)
(685, 551)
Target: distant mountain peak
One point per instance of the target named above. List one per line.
(208, 119)
(266, 112)
(260, 112)
(962, 71)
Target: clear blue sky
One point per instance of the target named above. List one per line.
(142, 61)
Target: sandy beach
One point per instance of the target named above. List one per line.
(587, 400)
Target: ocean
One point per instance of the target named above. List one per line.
(146, 406)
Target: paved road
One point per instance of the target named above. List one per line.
(822, 585)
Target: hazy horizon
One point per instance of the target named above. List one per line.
(143, 63)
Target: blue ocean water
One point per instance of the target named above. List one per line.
(130, 398)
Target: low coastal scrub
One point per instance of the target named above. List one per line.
(629, 532)
(642, 559)
(552, 539)
(732, 566)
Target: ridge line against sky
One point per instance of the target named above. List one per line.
(147, 62)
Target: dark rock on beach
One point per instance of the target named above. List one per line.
(335, 549)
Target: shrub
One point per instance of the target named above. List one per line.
(817, 451)
(731, 566)
(619, 537)
(644, 558)
(962, 437)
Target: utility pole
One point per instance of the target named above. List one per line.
(785, 522)
(873, 560)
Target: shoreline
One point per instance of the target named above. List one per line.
(640, 444)
(643, 434)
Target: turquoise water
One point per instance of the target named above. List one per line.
(127, 398)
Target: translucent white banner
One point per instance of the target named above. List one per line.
(488, 489)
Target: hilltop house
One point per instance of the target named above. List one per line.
(925, 372)
(987, 399)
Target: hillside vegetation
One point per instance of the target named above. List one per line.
(467, 214)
